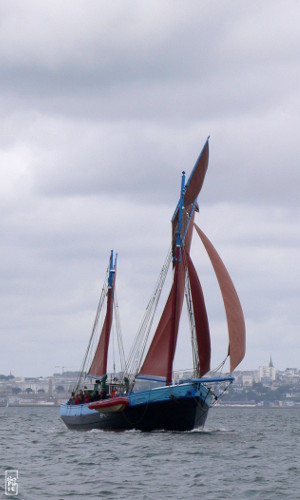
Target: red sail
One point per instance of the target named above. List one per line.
(189, 235)
(233, 308)
(196, 180)
(159, 360)
(99, 364)
(201, 319)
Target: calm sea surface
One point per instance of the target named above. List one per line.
(241, 454)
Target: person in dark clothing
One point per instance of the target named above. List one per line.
(80, 397)
(72, 399)
(103, 394)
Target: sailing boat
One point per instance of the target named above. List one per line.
(149, 394)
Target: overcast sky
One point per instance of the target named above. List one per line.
(103, 104)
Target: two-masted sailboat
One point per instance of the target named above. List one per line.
(147, 395)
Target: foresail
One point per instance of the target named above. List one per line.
(233, 308)
(200, 318)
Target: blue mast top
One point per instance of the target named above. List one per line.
(112, 268)
(178, 240)
(190, 178)
(191, 202)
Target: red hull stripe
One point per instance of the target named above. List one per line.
(108, 403)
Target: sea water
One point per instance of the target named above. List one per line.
(241, 453)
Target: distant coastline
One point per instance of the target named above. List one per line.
(265, 387)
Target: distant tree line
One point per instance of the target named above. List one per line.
(6, 377)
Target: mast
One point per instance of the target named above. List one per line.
(176, 311)
(159, 359)
(99, 365)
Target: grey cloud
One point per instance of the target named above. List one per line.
(102, 107)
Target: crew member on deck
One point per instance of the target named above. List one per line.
(72, 399)
(103, 394)
(81, 397)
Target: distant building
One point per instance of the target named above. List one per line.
(292, 375)
(291, 372)
(267, 374)
(247, 380)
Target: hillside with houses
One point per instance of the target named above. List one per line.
(265, 386)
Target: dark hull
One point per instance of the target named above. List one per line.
(182, 414)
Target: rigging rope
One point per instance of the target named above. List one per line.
(87, 355)
(138, 348)
(119, 333)
(189, 302)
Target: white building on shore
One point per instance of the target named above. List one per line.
(267, 373)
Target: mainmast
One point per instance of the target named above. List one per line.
(159, 360)
(177, 287)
